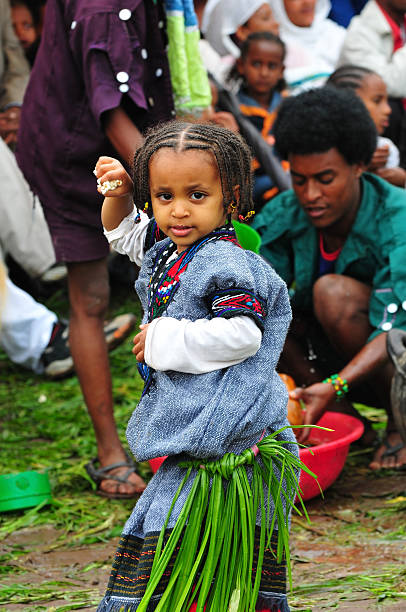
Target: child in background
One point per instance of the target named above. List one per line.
(371, 88)
(26, 21)
(215, 320)
(261, 67)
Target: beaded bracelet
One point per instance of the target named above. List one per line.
(340, 385)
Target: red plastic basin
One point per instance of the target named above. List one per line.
(326, 457)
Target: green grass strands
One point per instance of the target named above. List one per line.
(171, 544)
(235, 544)
(186, 558)
(162, 534)
(258, 485)
(164, 602)
(214, 600)
(243, 559)
(212, 553)
(251, 519)
(226, 560)
(215, 530)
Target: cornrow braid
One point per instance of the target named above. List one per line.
(232, 155)
(348, 77)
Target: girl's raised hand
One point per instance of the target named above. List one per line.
(113, 180)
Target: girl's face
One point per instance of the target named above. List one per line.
(374, 95)
(186, 195)
(262, 67)
(23, 25)
(260, 21)
(300, 12)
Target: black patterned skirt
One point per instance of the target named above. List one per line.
(132, 568)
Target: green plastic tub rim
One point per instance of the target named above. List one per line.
(24, 490)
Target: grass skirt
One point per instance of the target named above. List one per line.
(227, 551)
(132, 569)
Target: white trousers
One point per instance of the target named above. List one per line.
(24, 232)
(25, 327)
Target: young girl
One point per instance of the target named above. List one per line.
(261, 67)
(215, 320)
(371, 88)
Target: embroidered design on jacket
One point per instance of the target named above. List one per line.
(235, 302)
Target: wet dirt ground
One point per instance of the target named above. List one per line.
(351, 557)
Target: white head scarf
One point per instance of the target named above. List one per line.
(312, 52)
(221, 18)
(291, 33)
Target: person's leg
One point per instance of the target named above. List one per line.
(89, 295)
(341, 306)
(298, 359)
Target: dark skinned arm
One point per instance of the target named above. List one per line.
(122, 133)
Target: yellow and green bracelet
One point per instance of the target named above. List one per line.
(340, 385)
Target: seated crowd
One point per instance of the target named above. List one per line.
(317, 89)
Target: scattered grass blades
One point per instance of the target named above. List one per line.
(45, 426)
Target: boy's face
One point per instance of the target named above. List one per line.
(23, 25)
(262, 67)
(327, 187)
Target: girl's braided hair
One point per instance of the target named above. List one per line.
(348, 77)
(232, 155)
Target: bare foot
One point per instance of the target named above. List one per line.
(391, 454)
(132, 485)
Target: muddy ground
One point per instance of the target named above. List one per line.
(351, 557)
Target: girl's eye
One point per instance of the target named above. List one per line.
(166, 197)
(197, 195)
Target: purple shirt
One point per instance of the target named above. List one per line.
(95, 55)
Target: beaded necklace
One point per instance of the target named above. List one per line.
(165, 280)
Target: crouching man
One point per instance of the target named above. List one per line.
(338, 239)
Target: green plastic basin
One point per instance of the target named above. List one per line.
(24, 490)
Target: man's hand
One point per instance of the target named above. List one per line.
(316, 398)
(9, 124)
(396, 176)
(379, 158)
(139, 343)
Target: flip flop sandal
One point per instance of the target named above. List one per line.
(117, 330)
(98, 475)
(391, 450)
(396, 345)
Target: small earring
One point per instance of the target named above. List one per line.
(146, 205)
(233, 207)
